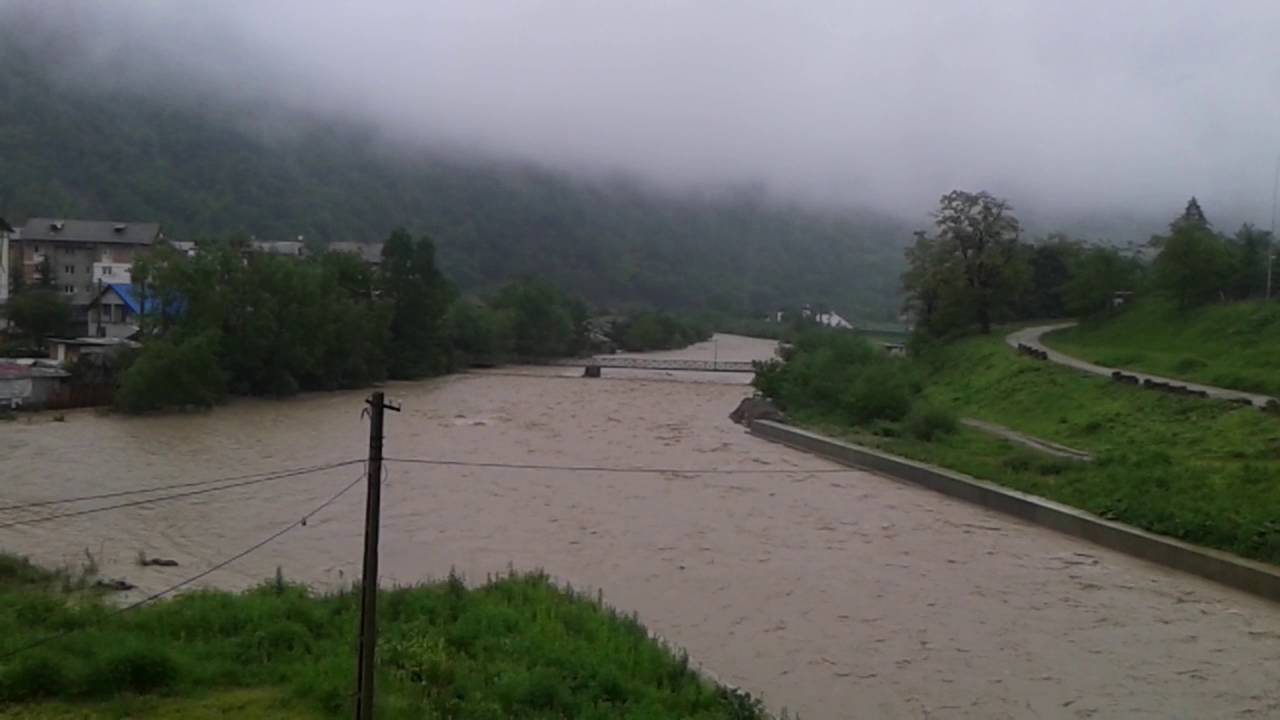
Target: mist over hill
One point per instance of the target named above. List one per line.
(211, 168)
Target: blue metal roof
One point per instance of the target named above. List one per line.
(131, 300)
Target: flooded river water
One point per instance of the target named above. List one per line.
(832, 594)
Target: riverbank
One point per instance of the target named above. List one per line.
(1231, 345)
(516, 646)
(1203, 472)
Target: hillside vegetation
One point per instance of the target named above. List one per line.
(1233, 345)
(1201, 471)
(211, 167)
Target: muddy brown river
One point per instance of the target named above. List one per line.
(833, 595)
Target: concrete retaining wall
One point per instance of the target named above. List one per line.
(1253, 577)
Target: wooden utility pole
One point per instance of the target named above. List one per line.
(369, 578)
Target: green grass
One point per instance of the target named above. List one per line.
(254, 703)
(518, 646)
(1202, 471)
(1232, 345)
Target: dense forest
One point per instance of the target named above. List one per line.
(208, 168)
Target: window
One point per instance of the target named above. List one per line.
(69, 269)
(69, 289)
(107, 270)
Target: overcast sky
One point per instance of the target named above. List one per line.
(1078, 104)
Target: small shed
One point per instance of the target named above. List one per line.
(28, 385)
(66, 351)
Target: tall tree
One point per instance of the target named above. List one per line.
(978, 233)
(1194, 265)
(1097, 274)
(1249, 249)
(930, 284)
(419, 295)
(545, 322)
(1050, 261)
(39, 313)
(1192, 216)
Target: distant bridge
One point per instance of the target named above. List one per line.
(639, 363)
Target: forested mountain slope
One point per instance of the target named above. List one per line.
(209, 167)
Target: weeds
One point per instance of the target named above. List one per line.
(517, 646)
(90, 566)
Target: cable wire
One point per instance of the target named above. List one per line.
(205, 573)
(165, 498)
(176, 486)
(615, 469)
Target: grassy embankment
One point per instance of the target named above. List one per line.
(516, 647)
(1202, 471)
(1232, 345)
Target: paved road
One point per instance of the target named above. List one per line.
(1032, 336)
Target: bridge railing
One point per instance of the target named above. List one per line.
(638, 363)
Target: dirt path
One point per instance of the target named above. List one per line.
(1038, 444)
(1032, 336)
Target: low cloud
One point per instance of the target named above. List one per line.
(1072, 107)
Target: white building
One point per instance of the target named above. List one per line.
(831, 319)
(184, 247)
(112, 273)
(827, 318)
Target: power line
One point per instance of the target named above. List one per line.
(208, 571)
(267, 475)
(614, 469)
(164, 498)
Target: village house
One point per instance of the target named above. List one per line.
(80, 255)
(29, 384)
(288, 248)
(117, 311)
(371, 253)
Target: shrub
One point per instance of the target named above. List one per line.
(770, 379)
(33, 676)
(18, 571)
(928, 421)
(880, 392)
(137, 668)
(169, 374)
(841, 376)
